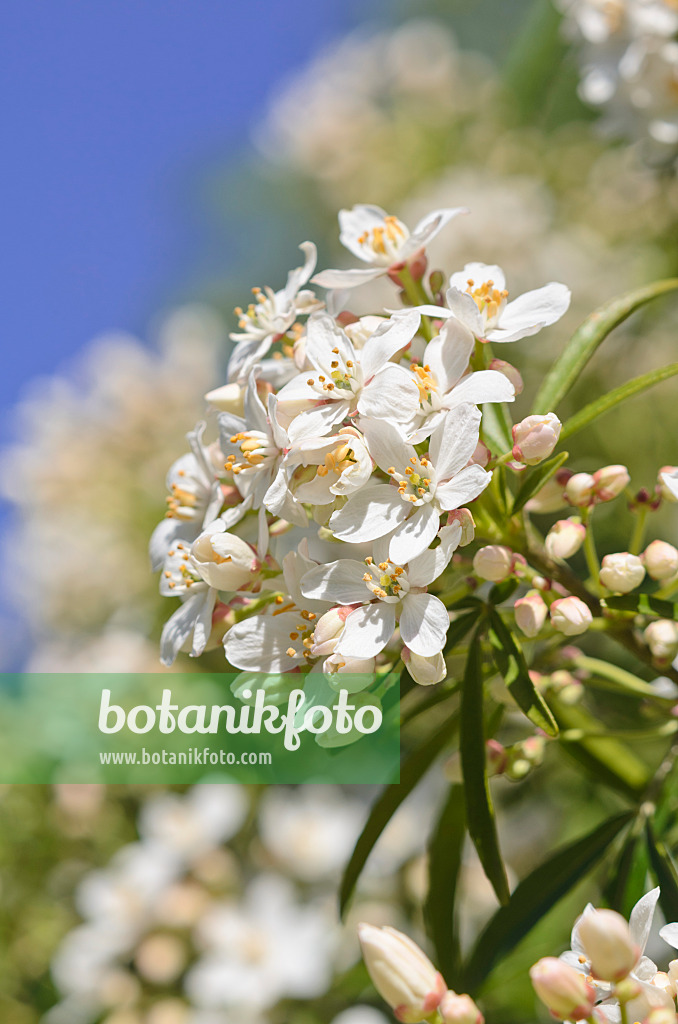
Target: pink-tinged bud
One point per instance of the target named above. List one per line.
(606, 941)
(579, 489)
(425, 670)
(565, 538)
(481, 455)
(570, 616)
(551, 498)
(495, 757)
(328, 629)
(229, 398)
(660, 560)
(661, 1015)
(456, 1009)
(509, 371)
(535, 437)
(468, 526)
(661, 636)
(610, 481)
(530, 613)
(668, 483)
(493, 562)
(564, 991)
(401, 973)
(622, 572)
(662, 981)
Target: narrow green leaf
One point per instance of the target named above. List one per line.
(587, 338)
(602, 405)
(501, 592)
(535, 480)
(444, 863)
(607, 759)
(510, 663)
(460, 627)
(479, 810)
(616, 679)
(536, 894)
(412, 771)
(664, 871)
(496, 428)
(644, 604)
(627, 881)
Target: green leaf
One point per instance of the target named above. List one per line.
(606, 759)
(616, 679)
(510, 662)
(627, 881)
(535, 480)
(587, 338)
(479, 810)
(602, 405)
(496, 428)
(536, 894)
(412, 771)
(444, 863)
(501, 592)
(664, 871)
(460, 627)
(644, 604)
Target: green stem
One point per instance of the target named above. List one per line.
(590, 552)
(668, 590)
(416, 293)
(638, 534)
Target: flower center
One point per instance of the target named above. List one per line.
(383, 243)
(414, 485)
(386, 580)
(255, 448)
(427, 384)
(489, 300)
(302, 637)
(179, 572)
(182, 503)
(340, 376)
(337, 461)
(261, 313)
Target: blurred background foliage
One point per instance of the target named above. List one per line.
(426, 104)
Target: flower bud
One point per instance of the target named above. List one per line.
(606, 941)
(661, 1015)
(456, 1009)
(481, 455)
(493, 562)
(661, 636)
(535, 437)
(565, 538)
(564, 991)
(328, 629)
(579, 489)
(668, 483)
(661, 560)
(530, 613)
(229, 398)
(610, 481)
(622, 572)
(468, 526)
(569, 615)
(662, 981)
(402, 975)
(425, 670)
(509, 371)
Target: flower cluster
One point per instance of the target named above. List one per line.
(630, 65)
(605, 976)
(307, 536)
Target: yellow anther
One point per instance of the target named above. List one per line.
(291, 652)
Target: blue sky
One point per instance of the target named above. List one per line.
(112, 110)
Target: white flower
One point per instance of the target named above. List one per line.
(661, 560)
(319, 469)
(386, 592)
(530, 613)
(444, 384)
(493, 562)
(382, 241)
(261, 950)
(344, 380)
(271, 315)
(427, 485)
(610, 481)
(563, 990)
(565, 538)
(569, 615)
(669, 482)
(661, 636)
(478, 297)
(195, 496)
(193, 823)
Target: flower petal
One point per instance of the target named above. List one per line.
(414, 535)
(640, 920)
(179, 628)
(385, 444)
(427, 567)
(449, 353)
(479, 273)
(368, 514)
(669, 934)
(466, 486)
(317, 421)
(530, 312)
(424, 622)
(391, 394)
(482, 386)
(389, 338)
(454, 441)
(355, 222)
(367, 631)
(341, 279)
(260, 643)
(464, 308)
(429, 226)
(340, 582)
